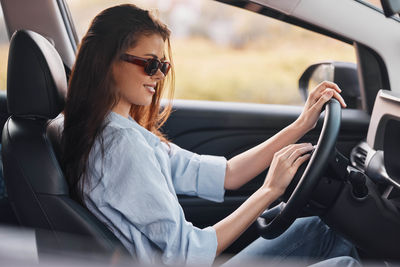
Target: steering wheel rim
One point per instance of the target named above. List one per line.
(288, 213)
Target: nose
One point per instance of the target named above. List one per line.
(158, 75)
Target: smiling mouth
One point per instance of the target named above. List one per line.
(151, 89)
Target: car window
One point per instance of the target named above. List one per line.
(4, 44)
(376, 3)
(224, 53)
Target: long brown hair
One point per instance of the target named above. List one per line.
(91, 95)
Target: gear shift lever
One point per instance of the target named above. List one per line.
(358, 181)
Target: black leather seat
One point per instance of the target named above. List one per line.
(37, 189)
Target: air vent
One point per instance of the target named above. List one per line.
(359, 156)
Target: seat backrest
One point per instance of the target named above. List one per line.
(37, 189)
(3, 119)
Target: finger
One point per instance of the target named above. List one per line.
(320, 89)
(300, 152)
(325, 84)
(294, 147)
(300, 160)
(316, 93)
(322, 100)
(340, 99)
(283, 150)
(337, 96)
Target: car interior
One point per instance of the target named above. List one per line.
(352, 180)
(31, 143)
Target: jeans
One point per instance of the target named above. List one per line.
(309, 241)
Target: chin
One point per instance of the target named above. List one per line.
(144, 103)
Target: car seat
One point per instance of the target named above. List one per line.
(36, 186)
(3, 119)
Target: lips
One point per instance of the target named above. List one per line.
(150, 88)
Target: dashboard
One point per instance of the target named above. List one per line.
(378, 156)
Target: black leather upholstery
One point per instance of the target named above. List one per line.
(36, 85)
(36, 185)
(3, 111)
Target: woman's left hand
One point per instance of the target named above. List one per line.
(315, 101)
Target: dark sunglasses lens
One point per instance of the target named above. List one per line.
(165, 68)
(152, 67)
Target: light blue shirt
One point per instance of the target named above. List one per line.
(133, 186)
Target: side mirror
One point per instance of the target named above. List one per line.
(344, 74)
(390, 7)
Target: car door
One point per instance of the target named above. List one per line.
(227, 129)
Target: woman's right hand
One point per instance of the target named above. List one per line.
(282, 170)
(284, 166)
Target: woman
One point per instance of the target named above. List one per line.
(124, 170)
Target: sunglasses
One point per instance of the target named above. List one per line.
(151, 65)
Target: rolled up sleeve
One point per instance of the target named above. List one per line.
(201, 254)
(197, 175)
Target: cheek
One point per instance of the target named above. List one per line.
(127, 79)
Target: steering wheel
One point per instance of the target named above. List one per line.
(274, 222)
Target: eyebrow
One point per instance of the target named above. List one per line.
(155, 56)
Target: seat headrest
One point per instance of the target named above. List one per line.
(36, 80)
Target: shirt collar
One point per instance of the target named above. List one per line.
(131, 123)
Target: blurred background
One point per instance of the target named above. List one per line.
(223, 53)
(3, 52)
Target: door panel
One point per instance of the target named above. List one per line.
(222, 128)
(227, 129)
